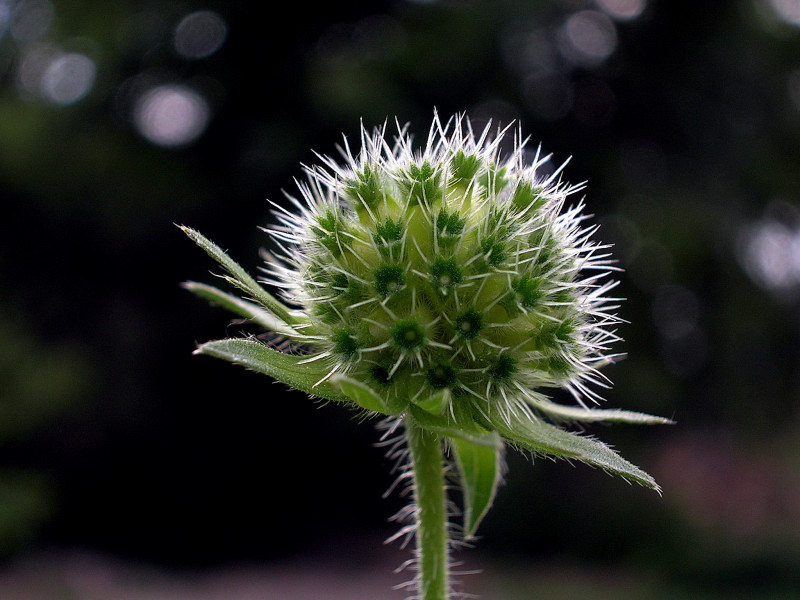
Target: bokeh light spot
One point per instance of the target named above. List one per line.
(623, 10)
(787, 11)
(200, 34)
(770, 254)
(33, 63)
(588, 37)
(5, 15)
(31, 20)
(171, 115)
(68, 78)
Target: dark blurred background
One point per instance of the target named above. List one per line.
(120, 119)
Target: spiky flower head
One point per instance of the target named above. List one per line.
(455, 275)
(456, 285)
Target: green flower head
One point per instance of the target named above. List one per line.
(450, 260)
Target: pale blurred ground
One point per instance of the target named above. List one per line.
(80, 574)
(332, 574)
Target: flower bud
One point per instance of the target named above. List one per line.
(457, 268)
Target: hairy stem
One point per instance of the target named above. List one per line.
(431, 504)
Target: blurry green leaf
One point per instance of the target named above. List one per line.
(295, 371)
(26, 503)
(479, 466)
(542, 438)
(29, 400)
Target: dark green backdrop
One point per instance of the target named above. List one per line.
(684, 119)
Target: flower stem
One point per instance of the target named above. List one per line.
(431, 505)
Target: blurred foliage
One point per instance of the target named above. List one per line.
(683, 119)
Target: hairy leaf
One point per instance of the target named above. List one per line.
(295, 371)
(542, 438)
(241, 279)
(588, 415)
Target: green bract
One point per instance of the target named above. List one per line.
(450, 287)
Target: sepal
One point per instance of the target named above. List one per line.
(363, 395)
(294, 371)
(241, 278)
(592, 415)
(480, 469)
(436, 403)
(249, 310)
(540, 437)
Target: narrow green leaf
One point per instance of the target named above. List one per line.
(363, 395)
(588, 415)
(241, 279)
(479, 467)
(294, 371)
(542, 438)
(249, 310)
(446, 426)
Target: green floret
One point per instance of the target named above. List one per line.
(464, 166)
(328, 231)
(388, 278)
(502, 369)
(344, 343)
(445, 273)
(408, 334)
(441, 376)
(389, 232)
(365, 190)
(423, 184)
(469, 324)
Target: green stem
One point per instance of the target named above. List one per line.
(431, 504)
